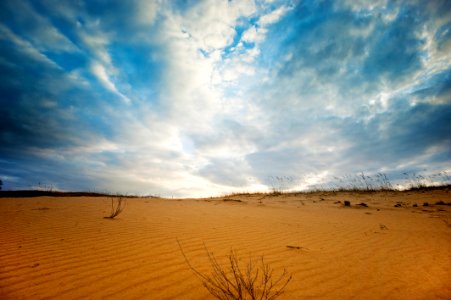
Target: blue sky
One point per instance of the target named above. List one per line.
(196, 98)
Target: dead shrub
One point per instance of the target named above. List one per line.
(117, 206)
(256, 280)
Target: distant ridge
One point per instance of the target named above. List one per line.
(38, 193)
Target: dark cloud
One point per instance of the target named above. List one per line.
(399, 135)
(438, 87)
(354, 52)
(319, 38)
(25, 120)
(225, 171)
(414, 136)
(35, 114)
(395, 48)
(33, 174)
(45, 110)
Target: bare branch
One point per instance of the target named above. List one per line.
(116, 207)
(231, 282)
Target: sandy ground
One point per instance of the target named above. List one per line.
(63, 247)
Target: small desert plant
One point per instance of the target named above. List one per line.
(232, 281)
(117, 206)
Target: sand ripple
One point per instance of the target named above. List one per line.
(63, 248)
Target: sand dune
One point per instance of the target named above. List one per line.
(56, 247)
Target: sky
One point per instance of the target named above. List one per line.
(191, 98)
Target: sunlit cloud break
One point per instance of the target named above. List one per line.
(200, 98)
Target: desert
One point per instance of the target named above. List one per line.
(225, 149)
(386, 244)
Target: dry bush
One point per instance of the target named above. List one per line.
(233, 281)
(116, 207)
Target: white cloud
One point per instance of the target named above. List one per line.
(364, 5)
(190, 75)
(186, 134)
(211, 23)
(273, 16)
(100, 72)
(146, 11)
(96, 43)
(252, 35)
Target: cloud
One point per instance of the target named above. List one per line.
(220, 96)
(24, 18)
(273, 16)
(146, 11)
(335, 104)
(396, 51)
(99, 71)
(24, 46)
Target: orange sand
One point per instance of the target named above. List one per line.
(64, 248)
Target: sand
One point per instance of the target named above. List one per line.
(57, 247)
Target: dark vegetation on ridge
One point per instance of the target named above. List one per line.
(39, 193)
